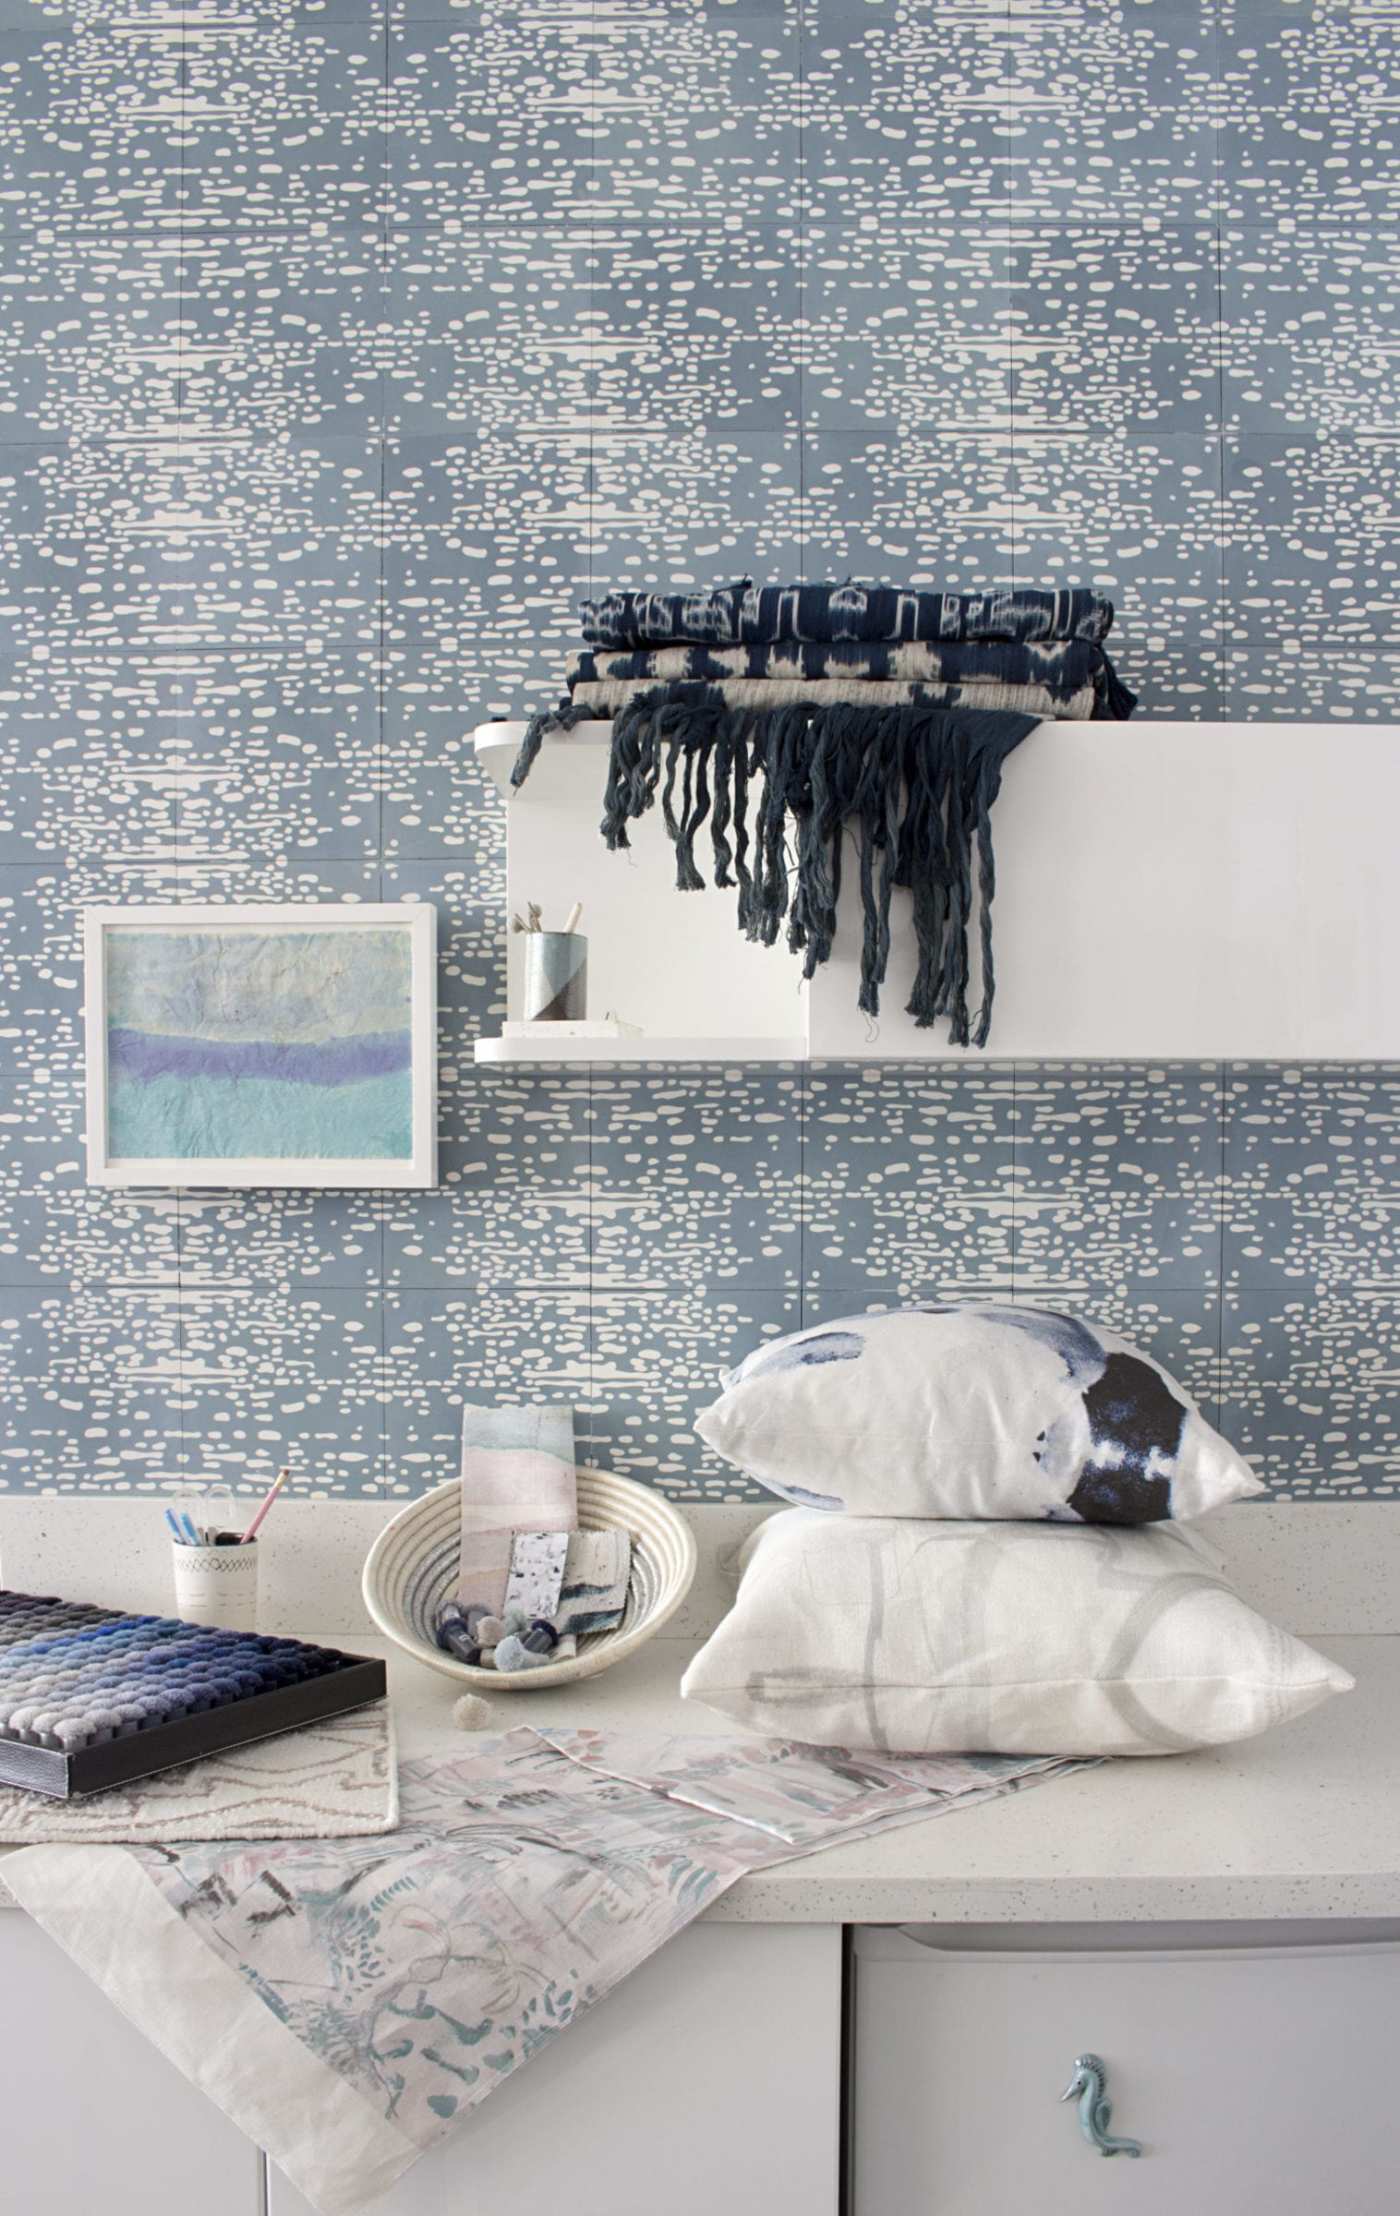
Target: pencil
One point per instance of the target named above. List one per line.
(266, 1502)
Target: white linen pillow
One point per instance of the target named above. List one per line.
(997, 1638)
(972, 1409)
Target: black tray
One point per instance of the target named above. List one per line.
(348, 1683)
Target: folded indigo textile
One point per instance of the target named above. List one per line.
(745, 614)
(916, 784)
(347, 2001)
(604, 696)
(1058, 669)
(517, 1475)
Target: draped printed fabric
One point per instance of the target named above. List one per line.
(792, 712)
(348, 2001)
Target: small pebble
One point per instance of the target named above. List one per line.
(471, 1712)
(512, 1654)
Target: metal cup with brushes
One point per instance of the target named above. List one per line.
(556, 967)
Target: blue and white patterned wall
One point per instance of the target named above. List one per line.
(341, 349)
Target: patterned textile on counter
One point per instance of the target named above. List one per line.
(346, 2002)
(748, 614)
(1057, 670)
(332, 1780)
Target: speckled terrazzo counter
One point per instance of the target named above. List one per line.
(1302, 1823)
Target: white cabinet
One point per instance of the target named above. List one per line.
(91, 2116)
(710, 2081)
(1257, 2078)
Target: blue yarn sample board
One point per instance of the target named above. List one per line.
(91, 1697)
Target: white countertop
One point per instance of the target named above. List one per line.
(1304, 1822)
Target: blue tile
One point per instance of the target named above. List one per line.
(693, 330)
(904, 110)
(694, 507)
(107, 1436)
(1310, 1393)
(171, 544)
(1313, 1178)
(91, 131)
(1271, 684)
(932, 510)
(655, 1364)
(1140, 514)
(694, 1178)
(1114, 329)
(282, 333)
(471, 942)
(485, 533)
(1310, 326)
(55, 1228)
(1307, 110)
(511, 1203)
(1117, 1177)
(271, 876)
(487, 332)
(51, 1224)
(89, 334)
(279, 757)
(509, 1343)
(1310, 551)
(1178, 1328)
(436, 798)
(907, 328)
(88, 759)
(261, 1239)
(81, 1334)
(282, 1372)
(1112, 111)
(701, 118)
(490, 116)
(907, 1181)
(283, 121)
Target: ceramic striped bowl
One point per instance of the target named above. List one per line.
(412, 1568)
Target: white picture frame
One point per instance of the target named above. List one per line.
(415, 1168)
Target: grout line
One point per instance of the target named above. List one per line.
(178, 827)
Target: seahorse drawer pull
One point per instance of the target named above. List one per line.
(1088, 2087)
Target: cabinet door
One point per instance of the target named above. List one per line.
(1255, 2080)
(709, 2081)
(91, 2116)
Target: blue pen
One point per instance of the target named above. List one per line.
(175, 1528)
(192, 1538)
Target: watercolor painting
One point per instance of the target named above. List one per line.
(233, 1045)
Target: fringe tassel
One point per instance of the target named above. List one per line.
(918, 784)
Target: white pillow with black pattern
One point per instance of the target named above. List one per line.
(972, 1409)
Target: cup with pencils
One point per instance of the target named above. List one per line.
(215, 1557)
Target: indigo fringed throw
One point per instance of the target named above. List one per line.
(917, 783)
(869, 705)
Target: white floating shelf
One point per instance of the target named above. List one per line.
(497, 745)
(640, 1050)
(1165, 892)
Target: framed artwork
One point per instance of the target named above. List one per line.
(262, 1045)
